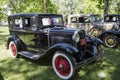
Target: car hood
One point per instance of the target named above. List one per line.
(62, 31)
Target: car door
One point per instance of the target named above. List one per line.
(17, 27)
(35, 38)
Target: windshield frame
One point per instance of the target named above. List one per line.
(53, 24)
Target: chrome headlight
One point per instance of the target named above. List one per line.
(76, 36)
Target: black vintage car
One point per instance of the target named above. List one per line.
(36, 35)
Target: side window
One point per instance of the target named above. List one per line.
(81, 19)
(18, 23)
(26, 22)
(10, 20)
(84, 19)
(74, 20)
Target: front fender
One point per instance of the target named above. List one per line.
(95, 40)
(69, 49)
(98, 41)
(109, 32)
(65, 47)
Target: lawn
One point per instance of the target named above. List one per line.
(25, 69)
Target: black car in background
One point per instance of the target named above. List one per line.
(35, 35)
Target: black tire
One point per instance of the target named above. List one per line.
(111, 41)
(95, 32)
(13, 49)
(64, 65)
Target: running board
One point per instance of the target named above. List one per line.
(30, 55)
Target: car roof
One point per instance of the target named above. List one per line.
(33, 14)
(80, 15)
(113, 15)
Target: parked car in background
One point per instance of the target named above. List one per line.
(36, 35)
(84, 21)
(108, 31)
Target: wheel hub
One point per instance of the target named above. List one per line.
(95, 33)
(62, 66)
(110, 41)
(13, 49)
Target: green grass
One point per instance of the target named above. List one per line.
(25, 69)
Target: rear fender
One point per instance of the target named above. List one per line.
(20, 45)
(108, 32)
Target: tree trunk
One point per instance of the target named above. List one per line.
(45, 6)
(106, 7)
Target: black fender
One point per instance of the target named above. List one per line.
(113, 32)
(98, 41)
(96, 27)
(69, 49)
(95, 41)
(20, 45)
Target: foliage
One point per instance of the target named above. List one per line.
(64, 7)
(24, 6)
(3, 13)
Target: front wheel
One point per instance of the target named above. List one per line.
(95, 32)
(111, 41)
(63, 65)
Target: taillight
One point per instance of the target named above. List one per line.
(82, 42)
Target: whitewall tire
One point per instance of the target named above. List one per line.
(63, 65)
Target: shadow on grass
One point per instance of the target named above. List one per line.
(113, 59)
(108, 69)
(27, 70)
(1, 77)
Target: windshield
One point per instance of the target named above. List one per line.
(48, 21)
(96, 18)
(111, 19)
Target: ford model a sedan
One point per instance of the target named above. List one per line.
(110, 22)
(109, 30)
(34, 35)
(84, 21)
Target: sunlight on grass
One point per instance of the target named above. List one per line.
(102, 74)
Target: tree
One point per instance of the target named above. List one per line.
(106, 7)
(45, 6)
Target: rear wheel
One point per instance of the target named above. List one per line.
(63, 65)
(111, 41)
(13, 49)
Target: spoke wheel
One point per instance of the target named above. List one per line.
(13, 49)
(111, 41)
(63, 65)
